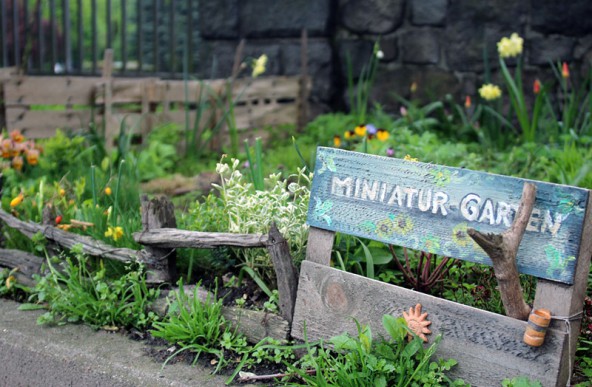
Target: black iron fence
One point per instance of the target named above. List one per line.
(70, 36)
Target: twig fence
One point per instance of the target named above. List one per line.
(160, 238)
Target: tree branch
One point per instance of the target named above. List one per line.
(502, 249)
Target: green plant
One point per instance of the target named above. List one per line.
(520, 381)
(241, 209)
(358, 94)
(75, 293)
(198, 326)
(362, 360)
(160, 155)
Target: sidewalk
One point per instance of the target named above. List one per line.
(76, 355)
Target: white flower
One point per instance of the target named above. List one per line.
(379, 54)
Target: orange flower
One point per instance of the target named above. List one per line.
(32, 156)
(536, 86)
(16, 136)
(65, 227)
(467, 101)
(337, 141)
(58, 219)
(17, 163)
(565, 70)
(360, 130)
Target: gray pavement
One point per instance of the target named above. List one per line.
(76, 355)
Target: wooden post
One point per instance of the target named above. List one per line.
(158, 213)
(502, 249)
(285, 272)
(109, 126)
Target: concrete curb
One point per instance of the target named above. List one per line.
(76, 355)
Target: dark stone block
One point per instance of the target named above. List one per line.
(572, 18)
(390, 48)
(432, 84)
(280, 19)
(218, 19)
(320, 67)
(429, 12)
(541, 51)
(420, 47)
(216, 59)
(359, 53)
(475, 26)
(372, 16)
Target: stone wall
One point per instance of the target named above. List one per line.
(439, 45)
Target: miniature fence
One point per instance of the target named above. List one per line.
(160, 237)
(38, 105)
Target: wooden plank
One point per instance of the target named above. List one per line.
(487, 346)
(19, 91)
(319, 245)
(429, 207)
(174, 91)
(43, 123)
(260, 116)
(129, 91)
(564, 300)
(175, 238)
(272, 88)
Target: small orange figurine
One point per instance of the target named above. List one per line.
(417, 322)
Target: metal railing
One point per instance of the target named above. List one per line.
(70, 36)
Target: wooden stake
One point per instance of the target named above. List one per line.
(502, 249)
(159, 213)
(285, 272)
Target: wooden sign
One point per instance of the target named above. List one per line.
(429, 207)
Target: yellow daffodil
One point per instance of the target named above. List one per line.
(382, 134)
(490, 92)
(114, 232)
(62, 192)
(409, 158)
(17, 200)
(259, 66)
(510, 47)
(108, 191)
(360, 130)
(337, 141)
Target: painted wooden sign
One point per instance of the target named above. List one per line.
(429, 207)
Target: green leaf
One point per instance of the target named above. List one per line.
(29, 306)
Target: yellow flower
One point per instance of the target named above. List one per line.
(259, 65)
(17, 163)
(349, 134)
(108, 191)
(10, 281)
(65, 227)
(409, 158)
(17, 200)
(490, 92)
(510, 47)
(382, 134)
(360, 130)
(62, 192)
(337, 141)
(114, 232)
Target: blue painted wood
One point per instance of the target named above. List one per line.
(429, 207)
